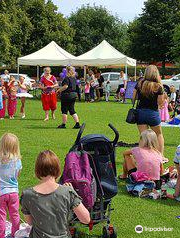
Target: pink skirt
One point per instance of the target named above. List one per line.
(164, 114)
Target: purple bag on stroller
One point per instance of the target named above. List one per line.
(78, 172)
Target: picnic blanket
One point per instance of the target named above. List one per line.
(166, 124)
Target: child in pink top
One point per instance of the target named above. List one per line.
(145, 158)
(87, 92)
(164, 113)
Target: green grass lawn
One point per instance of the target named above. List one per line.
(36, 135)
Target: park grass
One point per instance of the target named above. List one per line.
(36, 135)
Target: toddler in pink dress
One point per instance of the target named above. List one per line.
(164, 113)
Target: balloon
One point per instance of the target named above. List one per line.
(61, 75)
(122, 90)
(64, 70)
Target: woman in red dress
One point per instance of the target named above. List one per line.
(49, 100)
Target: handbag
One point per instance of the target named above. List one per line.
(132, 114)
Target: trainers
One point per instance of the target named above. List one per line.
(77, 126)
(62, 126)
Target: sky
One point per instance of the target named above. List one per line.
(127, 10)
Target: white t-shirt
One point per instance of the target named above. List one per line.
(173, 97)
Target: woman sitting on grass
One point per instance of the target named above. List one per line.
(145, 158)
(48, 205)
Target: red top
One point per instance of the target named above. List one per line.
(48, 82)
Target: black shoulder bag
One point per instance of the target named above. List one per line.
(132, 114)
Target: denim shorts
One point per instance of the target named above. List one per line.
(148, 117)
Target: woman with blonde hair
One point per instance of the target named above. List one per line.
(144, 158)
(10, 167)
(150, 95)
(68, 98)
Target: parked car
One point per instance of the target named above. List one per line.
(27, 80)
(113, 77)
(175, 80)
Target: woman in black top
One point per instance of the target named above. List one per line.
(149, 93)
(68, 98)
(100, 81)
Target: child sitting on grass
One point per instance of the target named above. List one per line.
(48, 205)
(10, 166)
(145, 158)
(177, 163)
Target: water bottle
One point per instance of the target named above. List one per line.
(163, 191)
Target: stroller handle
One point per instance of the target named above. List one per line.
(80, 133)
(116, 134)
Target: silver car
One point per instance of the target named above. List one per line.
(27, 80)
(175, 80)
(114, 78)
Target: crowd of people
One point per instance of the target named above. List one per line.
(47, 205)
(9, 89)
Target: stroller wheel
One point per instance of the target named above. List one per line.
(113, 233)
(106, 232)
(73, 232)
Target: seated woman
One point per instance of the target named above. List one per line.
(145, 158)
(176, 195)
(48, 205)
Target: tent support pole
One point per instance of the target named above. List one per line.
(84, 72)
(18, 69)
(37, 72)
(135, 73)
(126, 71)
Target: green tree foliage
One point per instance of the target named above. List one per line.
(28, 25)
(176, 44)
(15, 28)
(48, 25)
(151, 35)
(94, 24)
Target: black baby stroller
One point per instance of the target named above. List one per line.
(102, 151)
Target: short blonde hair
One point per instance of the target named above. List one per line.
(172, 89)
(9, 147)
(149, 140)
(152, 81)
(70, 72)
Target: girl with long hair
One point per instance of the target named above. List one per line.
(150, 95)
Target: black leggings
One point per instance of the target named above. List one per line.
(68, 106)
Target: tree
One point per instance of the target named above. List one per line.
(15, 28)
(48, 25)
(176, 44)
(28, 25)
(94, 24)
(151, 35)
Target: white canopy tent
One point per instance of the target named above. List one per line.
(51, 55)
(104, 55)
